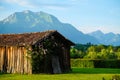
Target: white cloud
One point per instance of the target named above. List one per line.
(38, 4)
(23, 3)
(54, 6)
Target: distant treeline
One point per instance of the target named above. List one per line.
(90, 51)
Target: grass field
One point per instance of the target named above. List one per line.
(76, 74)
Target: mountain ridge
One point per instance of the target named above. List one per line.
(28, 21)
(106, 38)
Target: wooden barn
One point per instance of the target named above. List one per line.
(40, 52)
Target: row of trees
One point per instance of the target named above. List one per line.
(90, 51)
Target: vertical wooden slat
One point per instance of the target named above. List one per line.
(2, 58)
(12, 48)
(13, 51)
(22, 58)
(28, 62)
(10, 60)
(17, 59)
(7, 59)
(14, 60)
(25, 61)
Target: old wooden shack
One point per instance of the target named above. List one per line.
(39, 52)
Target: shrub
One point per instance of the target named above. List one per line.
(86, 63)
(82, 63)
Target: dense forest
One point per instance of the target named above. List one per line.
(90, 51)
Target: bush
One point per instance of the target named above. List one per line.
(106, 63)
(82, 63)
(85, 63)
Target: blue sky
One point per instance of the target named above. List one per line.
(85, 15)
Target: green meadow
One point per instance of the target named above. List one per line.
(75, 74)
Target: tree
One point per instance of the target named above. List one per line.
(118, 53)
(91, 53)
(74, 53)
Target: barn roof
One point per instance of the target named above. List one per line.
(29, 38)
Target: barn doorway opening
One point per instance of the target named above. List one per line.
(55, 64)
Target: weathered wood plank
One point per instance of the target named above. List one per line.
(2, 58)
(13, 58)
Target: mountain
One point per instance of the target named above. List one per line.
(107, 39)
(28, 21)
